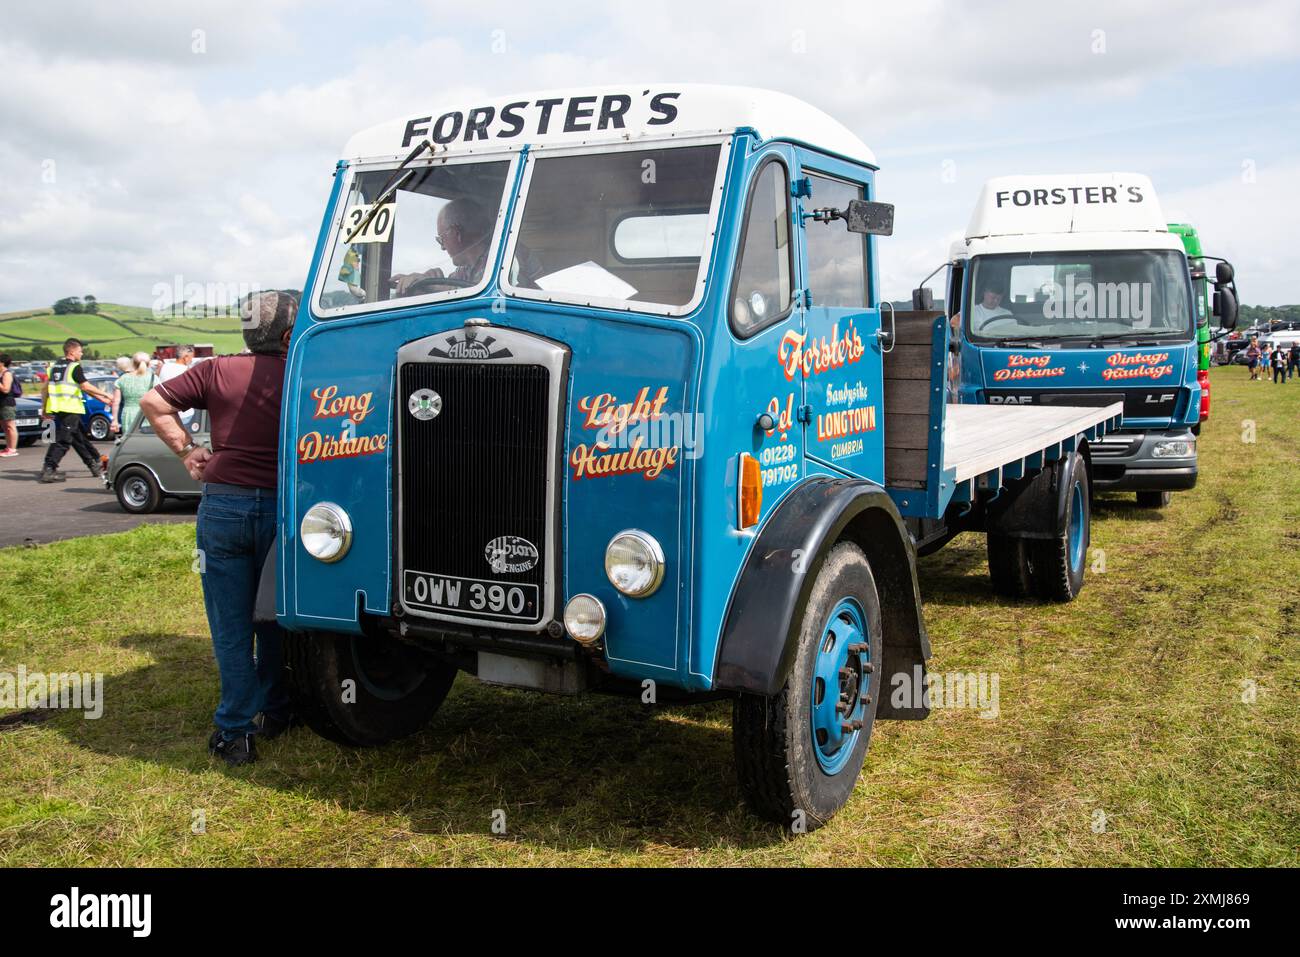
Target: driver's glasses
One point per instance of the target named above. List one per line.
(442, 239)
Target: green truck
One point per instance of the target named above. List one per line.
(1204, 295)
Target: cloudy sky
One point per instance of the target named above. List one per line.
(152, 140)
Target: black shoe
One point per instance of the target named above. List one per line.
(97, 473)
(234, 751)
(48, 476)
(271, 726)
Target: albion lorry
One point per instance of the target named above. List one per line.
(593, 390)
(1071, 290)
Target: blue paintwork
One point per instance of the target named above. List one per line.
(845, 629)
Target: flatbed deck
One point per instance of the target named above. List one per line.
(980, 448)
(981, 438)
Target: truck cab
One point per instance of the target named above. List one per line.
(1072, 290)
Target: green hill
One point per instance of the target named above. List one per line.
(115, 330)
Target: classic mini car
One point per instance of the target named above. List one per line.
(142, 471)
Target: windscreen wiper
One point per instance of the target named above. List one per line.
(1029, 342)
(397, 179)
(1136, 340)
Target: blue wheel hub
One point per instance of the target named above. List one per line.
(840, 686)
(1076, 528)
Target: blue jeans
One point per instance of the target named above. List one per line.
(235, 533)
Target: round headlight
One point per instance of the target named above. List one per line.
(584, 618)
(326, 532)
(634, 563)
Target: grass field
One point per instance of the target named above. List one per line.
(1132, 706)
(116, 330)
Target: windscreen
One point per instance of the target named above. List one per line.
(1119, 295)
(627, 226)
(431, 236)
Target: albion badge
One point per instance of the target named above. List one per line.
(510, 554)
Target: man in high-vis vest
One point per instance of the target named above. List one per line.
(62, 400)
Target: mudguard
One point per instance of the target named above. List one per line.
(761, 631)
(1035, 507)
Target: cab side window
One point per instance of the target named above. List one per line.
(837, 258)
(762, 292)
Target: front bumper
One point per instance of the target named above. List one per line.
(1125, 461)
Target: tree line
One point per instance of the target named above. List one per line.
(76, 304)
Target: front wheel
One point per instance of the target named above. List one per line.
(362, 690)
(1154, 499)
(99, 428)
(799, 752)
(1058, 563)
(137, 491)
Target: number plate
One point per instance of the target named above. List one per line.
(25, 422)
(471, 597)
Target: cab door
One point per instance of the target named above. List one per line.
(841, 361)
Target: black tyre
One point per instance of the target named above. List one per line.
(1009, 566)
(99, 427)
(1058, 563)
(799, 752)
(137, 491)
(362, 690)
(1154, 499)
(24, 441)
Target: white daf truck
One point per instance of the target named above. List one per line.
(1070, 290)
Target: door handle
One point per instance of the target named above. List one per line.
(886, 339)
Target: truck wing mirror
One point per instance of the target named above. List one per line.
(1223, 273)
(923, 299)
(1225, 307)
(860, 217)
(873, 218)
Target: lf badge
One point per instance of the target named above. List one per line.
(424, 404)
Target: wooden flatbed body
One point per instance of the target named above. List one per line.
(942, 453)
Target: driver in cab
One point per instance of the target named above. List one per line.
(465, 232)
(988, 308)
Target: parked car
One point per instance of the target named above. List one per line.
(98, 420)
(142, 471)
(28, 409)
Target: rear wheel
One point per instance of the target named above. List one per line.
(362, 690)
(98, 427)
(799, 752)
(1154, 499)
(1058, 563)
(1009, 566)
(137, 491)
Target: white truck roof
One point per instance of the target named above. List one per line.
(613, 114)
(1066, 211)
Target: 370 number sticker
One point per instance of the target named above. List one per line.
(378, 230)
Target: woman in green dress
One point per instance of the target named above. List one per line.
(128, 389)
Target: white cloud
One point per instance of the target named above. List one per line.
(217, 166)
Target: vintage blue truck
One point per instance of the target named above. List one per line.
(590, 390)
(1071, 289)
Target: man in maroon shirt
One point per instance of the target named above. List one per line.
(237, 515)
